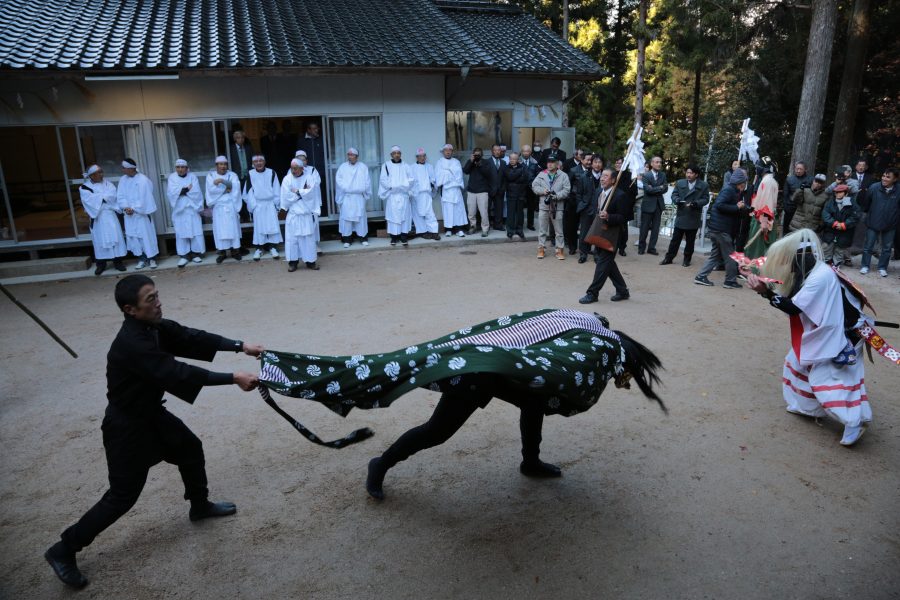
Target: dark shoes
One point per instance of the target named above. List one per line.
(620, 296)
(375, 479)
(622, 252)
(531, 228)
(732, 285)
(666, 261)
(211, 509)
(101, 266)
(118, 266)
(220, 258)
(538, 468)
(292, 266)
(686, 263)
(236, 254)
(653, 252)
(587, 299)
(582, 259)
(62, 561)
(312, 266)
(641, 251)
(572, 251)
(702, 280)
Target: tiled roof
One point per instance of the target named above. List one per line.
(171, 35)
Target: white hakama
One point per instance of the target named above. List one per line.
(136, 193)
(225, 200)
(301, 197)
(423, 200)
(99, 201)
(186, 206)
(353, 186)
(449, 179)
(395, 185)
(812, 384)
(262, 193)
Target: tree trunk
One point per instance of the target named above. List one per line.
(695, 117)
(641, 53)
(565, 83)
(815, 82)
(851, 84)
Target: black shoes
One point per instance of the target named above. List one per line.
(620, 296)
(101, 266)
(641, 251)
(582, 259)
(732, 285)
(666, 261)
(118, 266)
(220, 258)
(538, 468)
(622, 252)
(292, 266)
(587, 299)
(653, 252)
(375, 479)
(531, 228)
(686, 263)
(312, 266)
(211, 509)
(236, 254)
(572, 251)
(702, 280)
(62, 561)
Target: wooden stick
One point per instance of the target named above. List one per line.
(38, 321)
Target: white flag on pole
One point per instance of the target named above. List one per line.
(749, 143)
(634, 160)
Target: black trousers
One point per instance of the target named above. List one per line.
(585, 219)
(570, 227)
(133, 445)
(453, 409)
(515, 214)
(623, 237)
(649, 224)
(689, 235)
(495, 203)
(606, 268)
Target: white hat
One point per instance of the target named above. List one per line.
(129, 164)
(420, 151)
(221, 159)
(353, 151)
(299, 153)
(395, 148)
(181, 163)
(447, 147)
(91, 170)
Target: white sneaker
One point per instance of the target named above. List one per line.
(153, 264)
(257, 255)
(864, 270)
(460, 234)
(197, 259)
(141, 264)
(882, 272)
(852, 434)
(182, 262)
(365, 243)
(273, 252)
(346, 244)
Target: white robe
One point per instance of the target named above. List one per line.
(353, 186)
(395, 185)
(812, 383)
(226, 208)
(136, 193)
(301, 197)
(449, 178)
(186, 213)
(262, 193)
(423, 203)
(99, 201)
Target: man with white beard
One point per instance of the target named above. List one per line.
(395, 186)
(301, 197)
(448, 177)
(423, 200)
(354, 186)
(223, 195)
(98, 196)
(135, 198)
(186, 200)
(262, 193)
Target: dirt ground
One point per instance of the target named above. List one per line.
(727, 497)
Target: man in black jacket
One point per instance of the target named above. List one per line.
(690, 195)
(553, 152)
(516, 181)
(532, 167)
(587, 205)
(138, 432)
(723, 218)
(616, 214)
(576, 175)
(482, 183)
(497, 192)
(652, 207)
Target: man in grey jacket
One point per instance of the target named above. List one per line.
(690, 195)
(655, 185)
(551, 187)
(800, 179)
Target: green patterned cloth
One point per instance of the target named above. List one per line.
(561, 358)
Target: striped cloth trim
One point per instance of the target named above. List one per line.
(536, 329)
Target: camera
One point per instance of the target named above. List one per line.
(550, 198)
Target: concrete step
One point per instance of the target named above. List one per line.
(43, 266)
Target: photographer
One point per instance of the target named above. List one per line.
(551, 187)
(808, 203)
(842, 177)
(482, 183)
(800, 179)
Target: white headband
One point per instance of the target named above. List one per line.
(181, 163)
(221, 159)
(127, 164)
(297, 163)
(420, 151)
(91, 170)
(299, 153)
(261, 156)
(353, 151)
(395, 148)
(447, 147)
